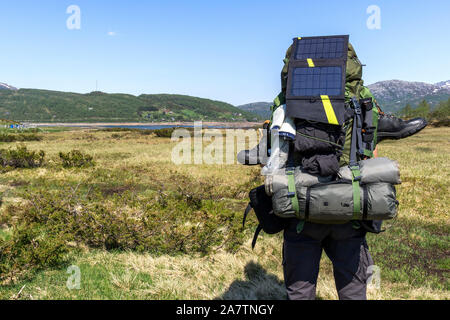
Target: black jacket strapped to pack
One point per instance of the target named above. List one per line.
(261, 204)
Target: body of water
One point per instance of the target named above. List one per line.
(146, 126)
(157, 127)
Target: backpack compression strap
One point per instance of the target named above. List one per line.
(356, 151)
(292, 191)
(290, 173)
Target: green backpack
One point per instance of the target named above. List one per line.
(355, 110)
(320, 106)
(354, 88)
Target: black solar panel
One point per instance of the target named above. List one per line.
(321, 48)
(317, 81)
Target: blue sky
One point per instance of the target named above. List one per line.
(225, 50)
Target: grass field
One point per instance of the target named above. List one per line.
(413, 254)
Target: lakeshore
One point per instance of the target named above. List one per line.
(146, 125)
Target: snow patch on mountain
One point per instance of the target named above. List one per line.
(395, 94)
(4, 86)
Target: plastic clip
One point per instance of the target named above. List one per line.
(291, 194)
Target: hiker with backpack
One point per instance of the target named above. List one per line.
(323, 186)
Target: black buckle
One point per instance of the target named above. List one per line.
(356, 106)
(291, 194)
(290, 171)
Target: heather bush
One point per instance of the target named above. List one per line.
(50, 223)
(31, 247)
(76, 159)
(19, 137)
(164, 133)
(21, 158)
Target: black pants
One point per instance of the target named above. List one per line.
(345, 246)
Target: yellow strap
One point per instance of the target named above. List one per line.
(310, 63)
(331, 116)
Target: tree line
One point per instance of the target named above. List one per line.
(439, 115)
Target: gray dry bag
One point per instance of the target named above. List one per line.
(322, 199)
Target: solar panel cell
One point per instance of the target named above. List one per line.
(325, 48)
(317, 81)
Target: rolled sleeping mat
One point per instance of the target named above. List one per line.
(375, 170)
(279, 180)
(334, 202)
(276, 185)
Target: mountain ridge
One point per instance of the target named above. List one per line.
(37, 105)
(395, 94)
(57, 106)
(392, 95)
(260, 108)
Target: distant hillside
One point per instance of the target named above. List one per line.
(54, 106)
(393, 95)
(260, 108)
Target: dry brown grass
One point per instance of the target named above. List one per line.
(413, 253)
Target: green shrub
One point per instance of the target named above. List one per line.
(133, 130)
(30, 248)
(116, 136)
(51, 222)
(118, 129)
(13, 137)
(441, 123)
(32, 130)
(76, 159)
(167, 132)
(21, 158)
(164, 133)
(145, 132)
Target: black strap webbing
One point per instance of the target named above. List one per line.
(368, 120)
(366, 202)
(356, 151)
(247, 210)
(365, 225)
(255, 236)
(290, 160)
(308, 200)
(356, 147)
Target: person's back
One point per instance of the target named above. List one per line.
(325, 120)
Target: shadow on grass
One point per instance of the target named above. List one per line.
(258, 285)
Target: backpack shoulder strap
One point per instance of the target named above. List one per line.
(355, 154)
